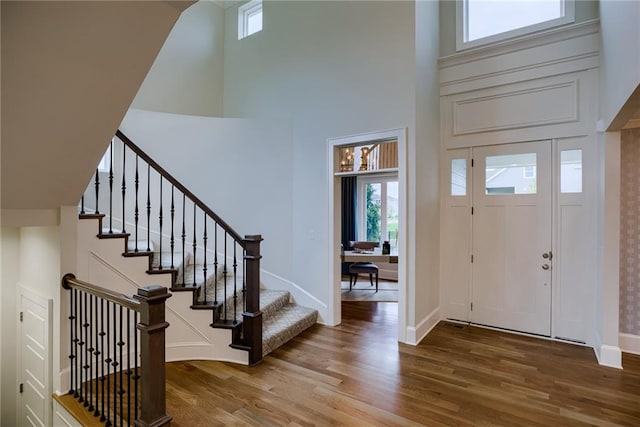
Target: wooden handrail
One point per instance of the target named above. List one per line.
(180, 187)
(69, 281)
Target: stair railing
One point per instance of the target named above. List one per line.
(117, 353)
(161, 209)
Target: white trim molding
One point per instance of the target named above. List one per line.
(417, 333)
(609, 355)
(629, 343)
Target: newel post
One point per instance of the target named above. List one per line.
(152, 327)
(252, 316)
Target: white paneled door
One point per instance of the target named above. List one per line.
(511, 239)
(35, 360)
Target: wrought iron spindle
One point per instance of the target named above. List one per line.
(136, 377)
(124, 185)
(215, 262)
(97, 187)
(173, 214)
(160, 223)
(148, 207)
(82, 205)
(136, 212)
(72, 341)
(111, 187)
(102, 352)
(244, 280)
(90, 354)
(184, 236)
(96, 353)
(114, 363)
(83, 358)
(204, 268)
(108, 363)
(78, 352)
(224, 276)
(120, 391)
(194, 244)
(129, 367)
(235, 281)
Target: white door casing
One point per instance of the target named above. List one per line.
(511, 281)
(34, 359)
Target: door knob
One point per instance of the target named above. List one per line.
(545, 266)
(547, 255)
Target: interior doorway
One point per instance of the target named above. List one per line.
(359, 157)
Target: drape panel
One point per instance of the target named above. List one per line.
(349, 212)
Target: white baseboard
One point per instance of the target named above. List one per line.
(417, 333)
(300, 296)
(609, 355)
(629, 343)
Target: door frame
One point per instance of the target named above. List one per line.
(335, 221)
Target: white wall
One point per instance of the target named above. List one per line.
(187, 75)
(424, 205)
(240, 168)
(620, 62)
(333, 69)
(10, 273)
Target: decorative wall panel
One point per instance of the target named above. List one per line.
(630, 232)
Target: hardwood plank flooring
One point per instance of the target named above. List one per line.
(357, 374)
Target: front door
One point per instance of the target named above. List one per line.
(511, 270)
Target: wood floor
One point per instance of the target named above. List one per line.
(357, 374)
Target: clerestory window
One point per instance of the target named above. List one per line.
(481, 22)
(249, 18)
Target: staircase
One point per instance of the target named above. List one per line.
(203, 260)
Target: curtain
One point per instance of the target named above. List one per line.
(349, 212)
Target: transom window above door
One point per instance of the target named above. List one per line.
(481, 22)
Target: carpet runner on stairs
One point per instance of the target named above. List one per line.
(282, 320)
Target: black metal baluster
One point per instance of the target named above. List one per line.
(160, 222)
(124, 186)
(82, 205)
(204, 269)
(97, 187)
(90, 353)
(244, 280)
(173, 214)
(96, 353)
(136, 378)
(102, 377)
(115, 368)
(148, 207)
(72, 340)
(78, 352)
(83, 378)
(224, 275)
(235, 281)
(136, 212)
(121, 388)
(184, 236)
(215, 262)
(129, 367)
(194, 244)
(108, 363)
(111, 188)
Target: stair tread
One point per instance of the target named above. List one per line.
(142, 246)
(286, 324)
